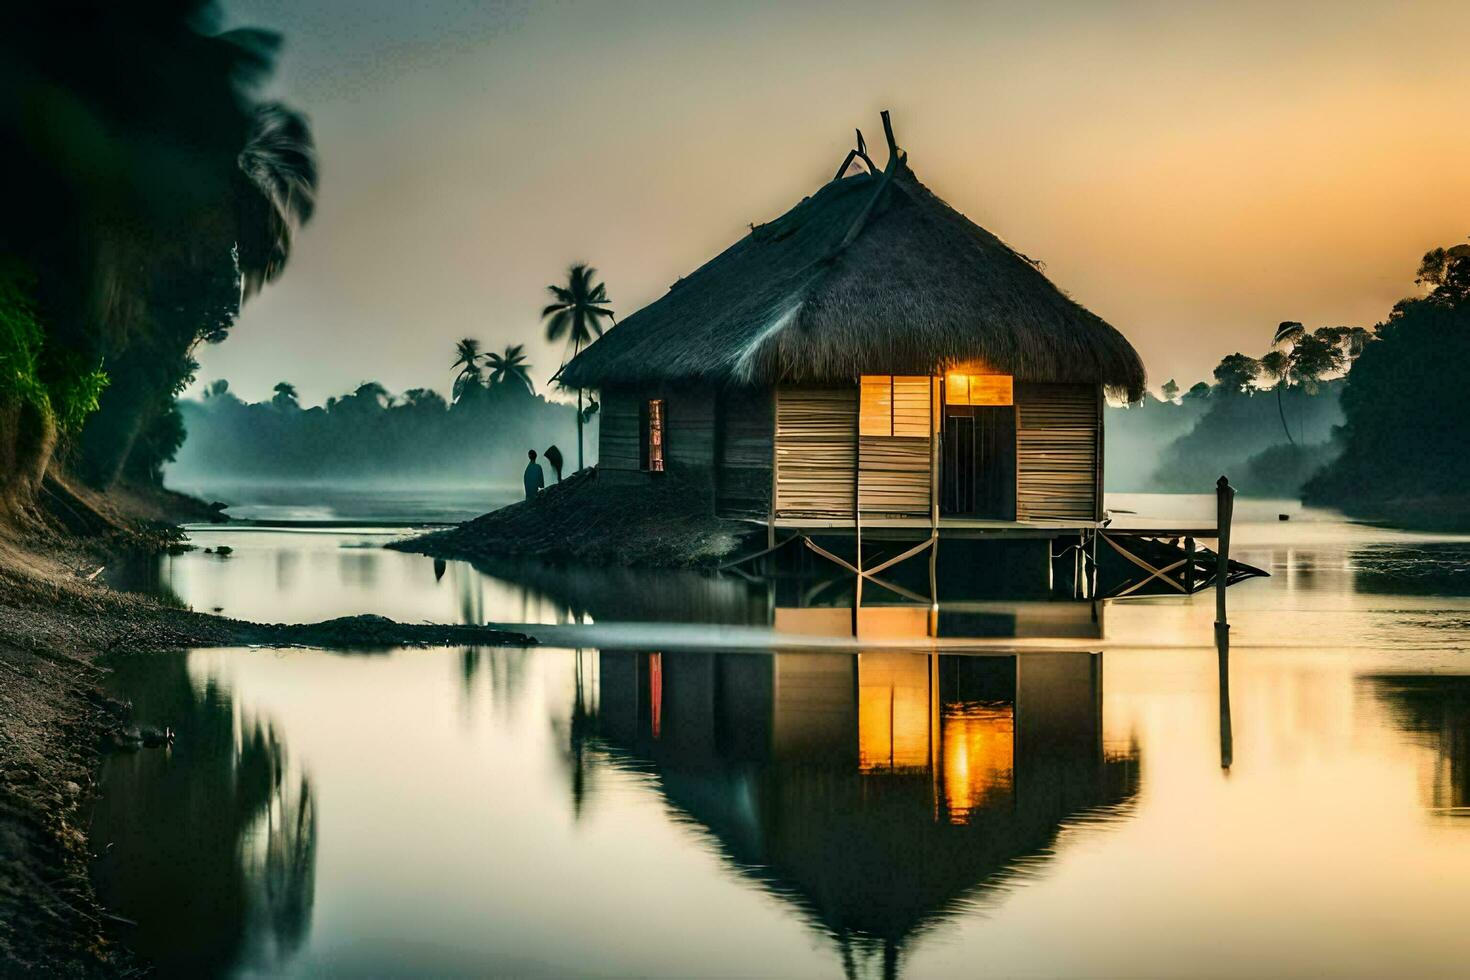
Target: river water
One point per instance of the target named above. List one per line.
(1075, 803)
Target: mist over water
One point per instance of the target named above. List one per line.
(372, 440)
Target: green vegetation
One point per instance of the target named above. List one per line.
(57, 385)
(1405, 438)
(21, 339)
(150, 204)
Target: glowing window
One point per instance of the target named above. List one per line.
(894, 405)
(653, 436)
(978, 389)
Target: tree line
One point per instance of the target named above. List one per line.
(1364, 419)
(1405, 438)
(479, 436)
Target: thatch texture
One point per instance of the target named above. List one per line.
(919, 288)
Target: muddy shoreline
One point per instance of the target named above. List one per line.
(56, 619)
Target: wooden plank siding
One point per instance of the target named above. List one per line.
(617, 441)
(689, 430)
(816, 451)
(743, 452)
(1058, 451)
(895, 476)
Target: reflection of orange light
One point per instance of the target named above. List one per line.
(656, 690)
(979, 756)
(893, 711)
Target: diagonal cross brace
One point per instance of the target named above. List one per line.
(1153, 573)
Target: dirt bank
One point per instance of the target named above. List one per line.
(54, 721)
(660, 523)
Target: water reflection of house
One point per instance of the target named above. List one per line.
(874, 622)
(876, 791)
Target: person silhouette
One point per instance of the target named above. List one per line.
(534, 479)
(553, 456)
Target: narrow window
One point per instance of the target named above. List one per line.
(653, 436)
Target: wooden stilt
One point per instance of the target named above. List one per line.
(1077, 570)
(1092, 565)
(934, 585)
(1224, 509)
(1227, 737)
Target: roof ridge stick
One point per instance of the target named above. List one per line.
(895, 157)
(859, 153)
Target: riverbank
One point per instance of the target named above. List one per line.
(56, 619)
(661, 523)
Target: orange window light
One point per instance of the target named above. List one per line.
(656, 435)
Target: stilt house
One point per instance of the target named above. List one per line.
(869, 356)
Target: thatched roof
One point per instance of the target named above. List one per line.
(871, 274)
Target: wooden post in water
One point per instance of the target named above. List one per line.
(1224, 507)
(1227, 739)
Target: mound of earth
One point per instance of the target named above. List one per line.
(664, 523)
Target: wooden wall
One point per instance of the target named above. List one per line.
(816, 450)
(1058, 443)
(894, 470)
(1058, 450)
(689, 433)
(895, 476)
(617, 441)
(743, 430)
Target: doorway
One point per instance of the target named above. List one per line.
(977, 464)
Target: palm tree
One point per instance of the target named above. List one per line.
(1280, 364)
(261, 186)
(577, 317)
(1301, 358)
(510, 366)
(372, 393)
(275, 193)
(286, 397)
(467, 358)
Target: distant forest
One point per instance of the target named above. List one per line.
(1373, 422)
(371, 435)
(1231, 427)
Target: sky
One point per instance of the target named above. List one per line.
(1194, 173)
